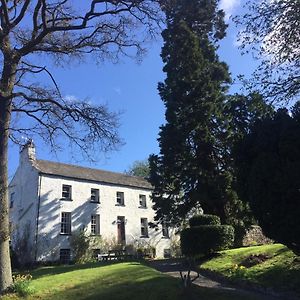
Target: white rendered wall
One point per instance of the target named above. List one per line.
(23, 214)
(50, 240)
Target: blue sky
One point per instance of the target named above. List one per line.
(131, 88)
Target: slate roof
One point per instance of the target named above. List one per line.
(89, 174)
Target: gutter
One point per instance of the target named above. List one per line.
(37, 218)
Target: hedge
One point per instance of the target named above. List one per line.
(199, 220)
(206, 239)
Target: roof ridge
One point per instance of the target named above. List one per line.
(86, 173)
(94, 169)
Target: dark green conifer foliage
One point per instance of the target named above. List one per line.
(195, 166)
(187, 168)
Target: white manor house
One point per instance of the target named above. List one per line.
(49, 201)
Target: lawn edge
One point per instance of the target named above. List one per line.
(247, 285)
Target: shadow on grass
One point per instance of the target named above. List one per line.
(130, 282)
(55, 270)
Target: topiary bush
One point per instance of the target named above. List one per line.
(205, 236)
(199, 220)
(206, 239)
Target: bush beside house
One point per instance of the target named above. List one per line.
(205, 236)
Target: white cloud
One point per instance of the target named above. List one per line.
(229, 6)
(70, 98)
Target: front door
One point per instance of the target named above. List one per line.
(121, 230)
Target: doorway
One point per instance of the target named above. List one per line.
(121, 230)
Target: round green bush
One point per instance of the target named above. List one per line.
(206, 239)
(199, 220)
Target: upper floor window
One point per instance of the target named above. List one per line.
(165, 230)
(66, 192)
(120, 198)
(12, 199)
(144, 227)
(142, 200)
(95, 224)
(95, 195)
(65, 225)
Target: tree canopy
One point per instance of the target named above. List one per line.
(271, 30)
(35, 33)
(268, 162)
(139, 168)
(195, 166)
(193, 94)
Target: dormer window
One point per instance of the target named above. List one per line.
(66, 192)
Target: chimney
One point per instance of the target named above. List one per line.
(27, 152)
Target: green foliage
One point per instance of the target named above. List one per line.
(193, 94)
(139, 168)
(204, 220)
(80, 243)
(280, 271)
(206, 239)
(195, 164)
(268, 161)
(21, 285)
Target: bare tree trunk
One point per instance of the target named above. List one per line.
(6, 88)
(5, 264)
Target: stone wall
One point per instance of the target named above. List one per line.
(255, 236)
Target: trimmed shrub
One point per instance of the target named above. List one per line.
(199, 220)
(206, 239)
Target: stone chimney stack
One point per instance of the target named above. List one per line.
(27, 152)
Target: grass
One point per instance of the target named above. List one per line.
(280, 270)
(115, 281)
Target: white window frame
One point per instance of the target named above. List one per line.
(66, 223)
(95, 224)
(64, 192)
(142, 201)
(144, 227)
(95, 195)
(120, 198)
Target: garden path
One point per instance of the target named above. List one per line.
(172, 267)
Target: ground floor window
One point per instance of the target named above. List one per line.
(167, 253)
(144, 227)
(64, 256)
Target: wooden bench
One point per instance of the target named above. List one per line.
(115, 255)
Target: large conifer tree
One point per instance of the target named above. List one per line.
(191, 169)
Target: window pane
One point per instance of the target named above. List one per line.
(165, 230)
(94, 195)
(95, 224)
(66, 191)
(120, 198)
(65, 227)
(65, 256)
(144, 227)
(142, 200)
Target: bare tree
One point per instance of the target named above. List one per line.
(60, 31)
(270, 29)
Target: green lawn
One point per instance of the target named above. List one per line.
(116, 281)
(279, 269)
